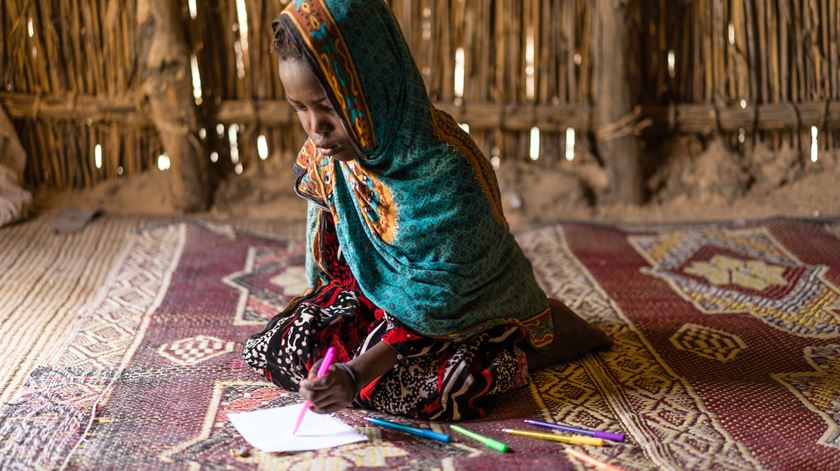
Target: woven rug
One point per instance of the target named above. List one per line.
(48, 279)
(726, 356)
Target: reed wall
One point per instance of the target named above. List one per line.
(754, 70)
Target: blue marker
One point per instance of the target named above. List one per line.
(420, 432)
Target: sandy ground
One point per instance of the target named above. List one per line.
(696, 182)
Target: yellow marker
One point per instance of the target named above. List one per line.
(556, 437)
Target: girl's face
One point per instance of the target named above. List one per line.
(314, 110)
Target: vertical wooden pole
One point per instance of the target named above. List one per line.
(12, 153)
(619, 150)
(165, 67)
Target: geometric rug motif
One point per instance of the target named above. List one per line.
(41, 427)
(733, 271)
(834, 229)
(819, 390)
(194, 350)
(154, 365)
(707, 342)
(217, 433)
(629, 384)
(271, 278)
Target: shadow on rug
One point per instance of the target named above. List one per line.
(727, 356)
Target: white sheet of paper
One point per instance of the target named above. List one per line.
(271, 429)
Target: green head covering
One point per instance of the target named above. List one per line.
(418, 214)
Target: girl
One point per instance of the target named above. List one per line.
(415, 278)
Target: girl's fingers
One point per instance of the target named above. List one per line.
(319, 395)
(327, 381)
(328, 407)
(325, 397)
(313, 372)
(317, 384)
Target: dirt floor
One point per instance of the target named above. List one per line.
(695, 181)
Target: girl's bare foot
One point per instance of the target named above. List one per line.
(573, 338)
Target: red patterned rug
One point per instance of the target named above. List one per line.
(727, 356)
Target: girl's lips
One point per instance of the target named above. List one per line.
(328, 150)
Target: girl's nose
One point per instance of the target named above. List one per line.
(321, 123)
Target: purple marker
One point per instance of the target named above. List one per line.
(616, 437)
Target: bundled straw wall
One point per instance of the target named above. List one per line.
(67, 71)
(748, 68)
(762, 69)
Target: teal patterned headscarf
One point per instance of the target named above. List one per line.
(418, 214)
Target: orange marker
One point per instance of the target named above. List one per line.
(590, 460)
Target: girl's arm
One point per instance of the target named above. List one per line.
(373, 363)
(335, 390)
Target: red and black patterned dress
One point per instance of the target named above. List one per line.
(433, 379)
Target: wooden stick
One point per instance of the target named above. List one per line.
(165, 67)
(621, 154)
(690, 118)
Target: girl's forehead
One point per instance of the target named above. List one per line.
(299, 81)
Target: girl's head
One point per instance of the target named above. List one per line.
(350, 75)
(306, 95)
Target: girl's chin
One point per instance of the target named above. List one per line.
(344, 156)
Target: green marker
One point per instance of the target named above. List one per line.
(487, 441)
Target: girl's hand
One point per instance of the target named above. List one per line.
(335, 390)
(329, 393)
